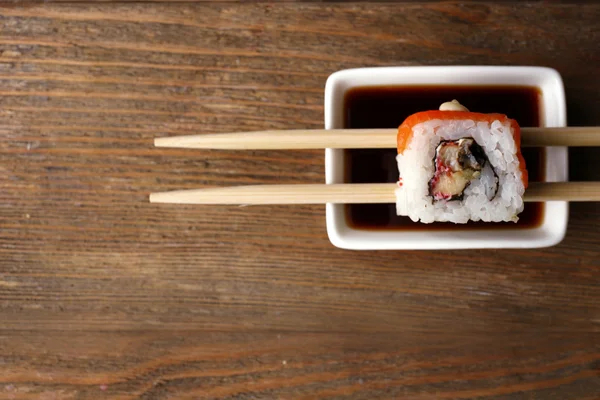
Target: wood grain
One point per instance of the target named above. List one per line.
(103, 295)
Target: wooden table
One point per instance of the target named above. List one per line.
(103, 295)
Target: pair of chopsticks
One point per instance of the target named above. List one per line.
(355, 193)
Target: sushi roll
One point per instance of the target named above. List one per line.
(459, 166)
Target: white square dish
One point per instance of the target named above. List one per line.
(553, 114)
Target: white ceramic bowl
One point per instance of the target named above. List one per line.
(553, 112)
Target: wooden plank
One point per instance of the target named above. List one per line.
(184, 364)
(98, 287)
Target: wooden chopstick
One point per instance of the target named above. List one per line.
(351, 193)
(358, 139)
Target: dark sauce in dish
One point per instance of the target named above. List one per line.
(388, 106)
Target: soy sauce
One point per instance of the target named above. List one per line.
(388, 106)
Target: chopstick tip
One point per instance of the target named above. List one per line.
(154, 198)
(159, 142)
